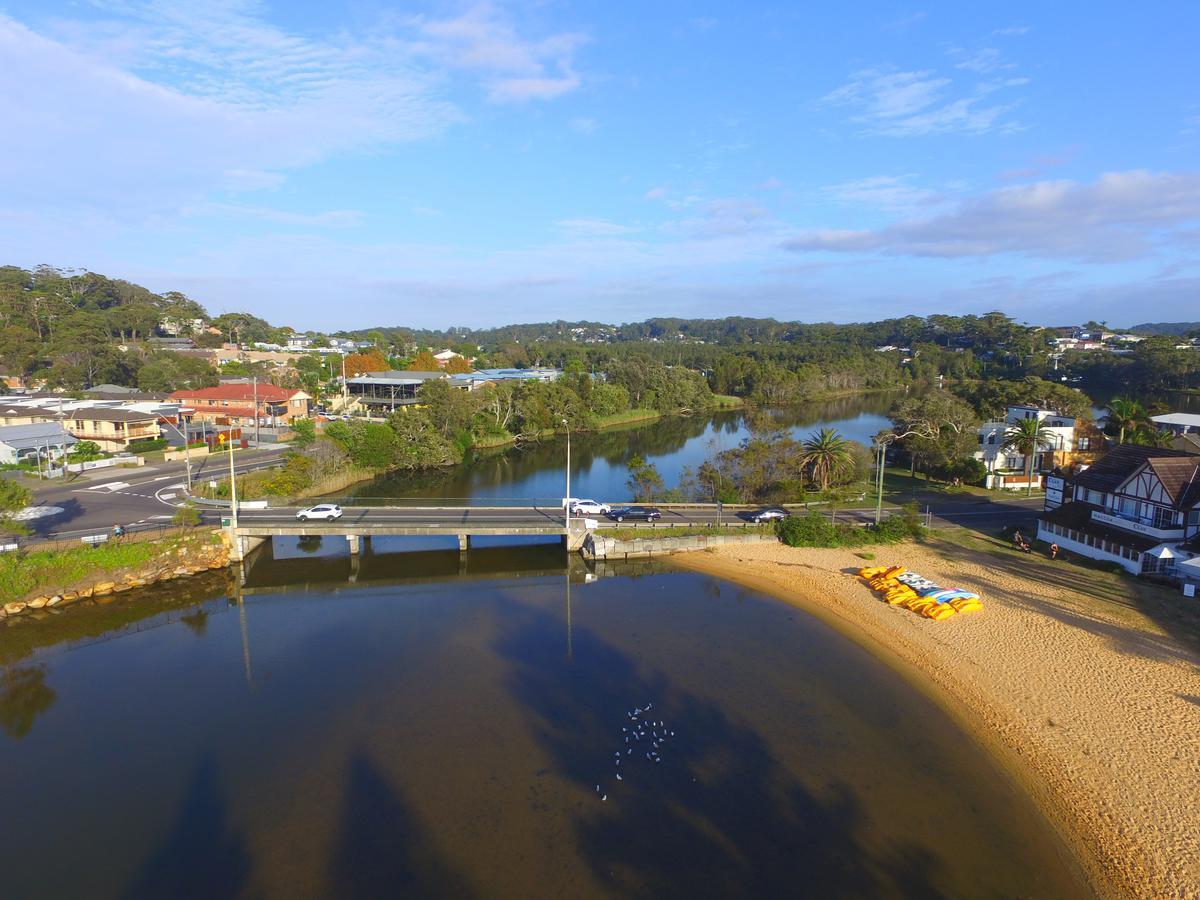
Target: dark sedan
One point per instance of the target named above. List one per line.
(768, 514)
(645, 513)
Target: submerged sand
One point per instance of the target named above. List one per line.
(1083, 683)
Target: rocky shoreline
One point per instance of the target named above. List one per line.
(191, 556)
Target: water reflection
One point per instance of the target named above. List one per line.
(24, 695)
(427, 732)
(599, 460)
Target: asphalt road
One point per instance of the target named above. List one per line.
(147, 498)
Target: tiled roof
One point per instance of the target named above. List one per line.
(106, 414)
(246, 392)
(1111, 470)
(1180, 476)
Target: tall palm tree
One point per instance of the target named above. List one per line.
(1126, 415)
(826, 455)
(1152, 437)
(1026, 437)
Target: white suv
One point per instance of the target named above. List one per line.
(590, 508)
(326, 511)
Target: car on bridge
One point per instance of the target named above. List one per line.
(327, 511)
(646, 513)
(767, 514)
(590, 508)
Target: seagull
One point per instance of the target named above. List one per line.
(605, 797)
(648, 705)
(658, 759)
(619, 778)
(629, 752)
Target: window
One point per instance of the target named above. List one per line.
(1083, 443)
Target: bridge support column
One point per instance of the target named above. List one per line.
(242, 545)
(355, 543)
(464, 543)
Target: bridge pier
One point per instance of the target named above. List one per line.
(464, 543)
(242, 545)
(355, 543)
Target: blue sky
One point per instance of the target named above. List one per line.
(342, 164)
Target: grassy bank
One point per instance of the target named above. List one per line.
(630, 534)
(40, 570)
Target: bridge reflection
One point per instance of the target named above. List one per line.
(272, 568)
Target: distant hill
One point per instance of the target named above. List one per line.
(1176, 329)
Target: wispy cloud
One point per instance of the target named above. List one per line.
(920, 102)
(513, 68)
(1011, 31)
(584, 125)
(595, 227)
(889, 192)
(333, 218)
(1120, 216)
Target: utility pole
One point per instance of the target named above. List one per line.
(232, 481)
(257, 433)
(568, 503)
(345, 389)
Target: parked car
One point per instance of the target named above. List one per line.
(590, 508)
(647, 513)
(327, 511)
(768, 514)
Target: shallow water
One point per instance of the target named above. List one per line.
(439, 727)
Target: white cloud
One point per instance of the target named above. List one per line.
(1120, 216)
(595, 227)
(882, 191)
(656, 193)
(1012, 31)
(983, 60)
(333, 218)
(703, 23)
(907, 104)
(513, 68)
(584, 125)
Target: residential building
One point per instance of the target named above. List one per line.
(299, 342)
(542, 374)
(1180, 423)
(47, 440)
(1068, 443)
(244, 404)
(385, 391)
(20, 414)
(1138, 507)
(113, 429)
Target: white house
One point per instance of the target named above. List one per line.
(1007, 468)
(1138, 507)
(1180, 423)
(48, 440)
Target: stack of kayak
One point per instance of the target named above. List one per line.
(908, 589)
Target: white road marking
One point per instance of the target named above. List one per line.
(110, 486)
(170, 496)
(162, 517)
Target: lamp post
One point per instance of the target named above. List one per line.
(187, 457)
(232, 484)
(568, 498)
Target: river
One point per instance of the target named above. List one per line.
(450, 726)
(537, 471)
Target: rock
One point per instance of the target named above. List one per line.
(104, 587)
(183, 570)
(54, 601)
(38, 602)
(14, 609)
(68, 596)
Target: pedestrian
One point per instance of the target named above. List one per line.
(1054, 551)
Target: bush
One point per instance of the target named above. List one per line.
(814, 530)
(147, 446)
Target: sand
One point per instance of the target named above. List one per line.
(1085, 695)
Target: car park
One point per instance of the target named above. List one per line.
(645, 513)
(327, 511)
(768, 514)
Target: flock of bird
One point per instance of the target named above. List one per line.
(643, 736)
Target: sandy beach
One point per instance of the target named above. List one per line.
(1084, 684)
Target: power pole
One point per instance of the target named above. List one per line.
(257, 419)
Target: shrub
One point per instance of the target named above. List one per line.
(147, 446)
(814, 530)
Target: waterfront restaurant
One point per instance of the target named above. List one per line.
(1137, 506)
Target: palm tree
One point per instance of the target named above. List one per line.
(1026, 437)
(1126, 415)
(826, 456)
(1152, 437)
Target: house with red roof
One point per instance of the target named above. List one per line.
(241, 404)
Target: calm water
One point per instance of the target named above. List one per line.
(438, 726)
(599, 460)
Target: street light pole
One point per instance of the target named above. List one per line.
(232, 484)
(257, 433)
(568, 499)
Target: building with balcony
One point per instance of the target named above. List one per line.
(112, 429)
(382, 392)
(46, 440)
(1138, 507)
(244, 404)
(1068, 443)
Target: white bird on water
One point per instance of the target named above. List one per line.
(619, 778)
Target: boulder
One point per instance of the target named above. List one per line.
(13, 609)
(38, 602)
(55, 600)
(104, 587)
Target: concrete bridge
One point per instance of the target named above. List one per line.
(359, 524)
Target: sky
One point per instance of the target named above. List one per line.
(348, 163)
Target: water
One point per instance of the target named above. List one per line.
(599, 461)
(437, 727)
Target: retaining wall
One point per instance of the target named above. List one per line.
(598, 547)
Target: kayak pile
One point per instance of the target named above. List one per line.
(900, 587)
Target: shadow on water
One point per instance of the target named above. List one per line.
(24, 695)
(201, 856)
(381, 850)
(720, 816)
